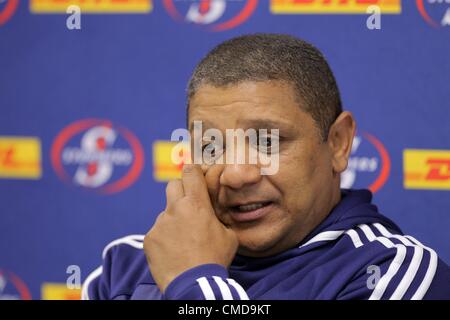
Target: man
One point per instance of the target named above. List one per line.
(231, 232)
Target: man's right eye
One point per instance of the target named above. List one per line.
(209, 148)
(211, 152)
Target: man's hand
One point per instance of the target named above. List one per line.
(187, 233)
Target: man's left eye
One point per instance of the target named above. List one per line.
(267, 144)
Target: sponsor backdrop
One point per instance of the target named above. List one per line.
(88, 103)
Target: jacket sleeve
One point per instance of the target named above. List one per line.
(205, 282)
(121, 259)
(96, 286)
(400, 271)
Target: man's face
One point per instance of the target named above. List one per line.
(287, 204)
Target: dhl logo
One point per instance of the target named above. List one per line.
(426, 169)
(333, 6)
(59, 291)
(164, 153)
(20, 157)
(92, 6)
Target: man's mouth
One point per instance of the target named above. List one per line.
(250, 211)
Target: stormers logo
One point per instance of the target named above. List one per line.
(369, 164)
(218, 15)
(7, 9)
(97, 155)
(12, 287)
(435, 12)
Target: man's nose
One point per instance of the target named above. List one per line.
(236, 176)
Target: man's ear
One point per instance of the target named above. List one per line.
(340, 139)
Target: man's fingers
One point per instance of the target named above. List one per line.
(194, 183)
(174, 191)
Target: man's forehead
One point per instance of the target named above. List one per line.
(259, 105)
(249, 92)
(255, 123)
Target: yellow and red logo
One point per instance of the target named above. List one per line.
(59, 291)
(426, 169)
(164, 154)
(20, 157)
(92, 6)
(333, 6)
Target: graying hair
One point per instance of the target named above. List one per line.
(264, 57)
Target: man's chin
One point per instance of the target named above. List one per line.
(256, 245)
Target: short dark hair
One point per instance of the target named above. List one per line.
(263, 57)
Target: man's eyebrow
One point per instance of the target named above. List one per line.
(205, 124)
(254, 124)
(267, 124)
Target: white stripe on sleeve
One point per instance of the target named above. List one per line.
(242, 294)
(224, 289)
(206, 288)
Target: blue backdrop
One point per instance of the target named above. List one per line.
(128, 72)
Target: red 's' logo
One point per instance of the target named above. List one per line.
(12, 287)
(219, 15)
(435, 12)
(7, 10)
(98, 155)
(369, 165)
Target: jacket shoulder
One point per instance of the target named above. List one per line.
(123, 267)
